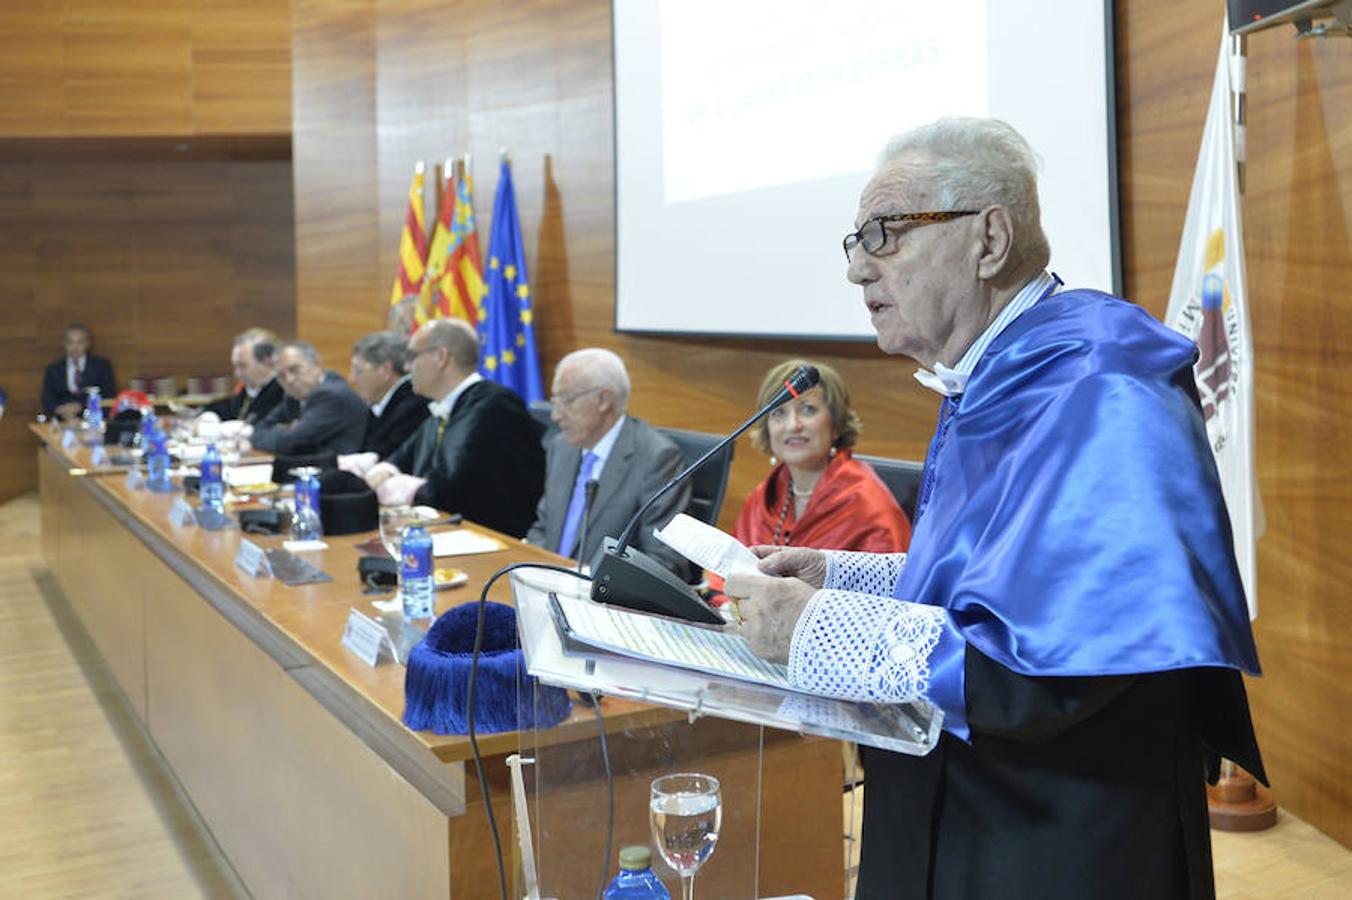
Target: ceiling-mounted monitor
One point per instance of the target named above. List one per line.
(1256, 15)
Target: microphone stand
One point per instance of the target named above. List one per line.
(624, 576)
(588, 498)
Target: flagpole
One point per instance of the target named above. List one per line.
(1238, 89)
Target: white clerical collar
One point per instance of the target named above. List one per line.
(254, 392)
(953, 382)
(441, 409)
(378, 409)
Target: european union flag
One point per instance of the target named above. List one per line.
(506, 334)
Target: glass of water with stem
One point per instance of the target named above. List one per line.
(393, 521)
(685, 811)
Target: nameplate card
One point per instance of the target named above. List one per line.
(99, 457)
(251, 558)
(136, 479)
(181, 513)
(368, 639)
(68, 439)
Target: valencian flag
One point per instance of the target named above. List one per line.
(463, 286)
(1208, 303)
(432, 304)
(412, 244)
(506, 332)
(454, 285)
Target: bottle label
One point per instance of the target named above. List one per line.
(211, 470)
(417, 559)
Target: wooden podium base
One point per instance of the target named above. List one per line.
(1239, 803)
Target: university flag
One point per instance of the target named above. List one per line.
(1208, 303)
(408, 279)
(506, 332)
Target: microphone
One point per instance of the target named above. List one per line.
(624, 576)
(588, 498)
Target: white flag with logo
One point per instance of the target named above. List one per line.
(1208, 303)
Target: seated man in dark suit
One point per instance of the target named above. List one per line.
(259, 391)
(479, 453)
(64, 382)
(321, 413)
(379, 378)
(629, 459)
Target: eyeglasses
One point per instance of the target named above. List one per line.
(570, 399)
(872, 235)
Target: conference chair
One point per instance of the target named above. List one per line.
(542, 411)
(710, 483)
(902, 477)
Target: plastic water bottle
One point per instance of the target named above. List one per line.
(415, 572)
(305, 523)
(636, 879)
(157, 462)
(311, 487)
(148, 425)
(93, 413)
(212, 490)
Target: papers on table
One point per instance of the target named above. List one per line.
(707, 547)
(236, 476)
(462, 542)
(665, 641)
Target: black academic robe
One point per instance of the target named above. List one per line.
(98, 372)
(489, 465)
(1070, 787)
(401, 417)
(254, 410)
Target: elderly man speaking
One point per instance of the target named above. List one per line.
(1070, 599)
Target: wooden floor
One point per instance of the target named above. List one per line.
(88, 808)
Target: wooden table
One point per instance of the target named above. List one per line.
(293, 751)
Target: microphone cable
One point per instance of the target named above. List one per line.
(474, 742)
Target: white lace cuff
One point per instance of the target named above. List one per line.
(868, 573)
(861, 647)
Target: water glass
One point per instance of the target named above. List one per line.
(686, 812)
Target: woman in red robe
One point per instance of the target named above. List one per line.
(817, 494)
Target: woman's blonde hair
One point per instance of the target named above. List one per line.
(844, 421)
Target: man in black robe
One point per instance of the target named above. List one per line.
(378, 376)
(259, 393)
(479, 452)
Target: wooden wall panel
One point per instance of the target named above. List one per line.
(423, 79)
(144, 67)
(163, 258)
(1297, 212)
(338, 235)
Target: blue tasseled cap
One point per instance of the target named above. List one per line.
(505, 699)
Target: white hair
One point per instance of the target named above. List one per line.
(975, 163)
(603, 369)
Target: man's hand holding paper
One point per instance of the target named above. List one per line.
(769, 606)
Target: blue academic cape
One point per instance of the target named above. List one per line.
(1071, 517)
